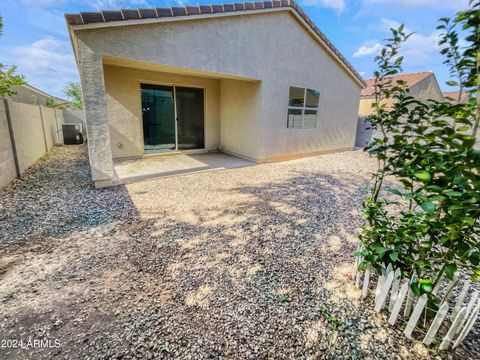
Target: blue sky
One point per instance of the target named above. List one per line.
(36, 40)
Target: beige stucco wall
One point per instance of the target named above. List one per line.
(124, 106)
(241, 118)
(427, 89)
(304, 63)
(365, 106)
(273, 48)
(7, 162)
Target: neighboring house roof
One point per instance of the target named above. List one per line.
(139, 16)
(410, 80)
(452, 96)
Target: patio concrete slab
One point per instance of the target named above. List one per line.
(133, 170)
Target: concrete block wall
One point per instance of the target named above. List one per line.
(364, 133)
(7, 162)
(49, 126)
(60, 119)
(36, 129)
(28, 132)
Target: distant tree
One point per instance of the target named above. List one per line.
(73, 91)
(8, 78)
(50, 103)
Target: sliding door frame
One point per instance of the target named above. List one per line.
(150, 82)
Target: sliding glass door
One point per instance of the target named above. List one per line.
(190, 127)
(173, 118)
(158, 113)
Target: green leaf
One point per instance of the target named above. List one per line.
(428, 206)
(426, 288)
(451, 83)
(423, 176)
(450, 270)
(425, 281)
(415, 289)
(381, 250)
(394, 191)
(475, 258)
(437, 198)
(426, 244)
(393, 256)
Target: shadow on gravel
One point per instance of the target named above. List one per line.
(249, 278)
(252, 276)
(55, 197)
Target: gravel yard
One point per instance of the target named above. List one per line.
(246, 263)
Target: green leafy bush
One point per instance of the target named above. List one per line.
(8, 77)
(424, 208)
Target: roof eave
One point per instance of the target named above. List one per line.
(293, 9)
(109, 24)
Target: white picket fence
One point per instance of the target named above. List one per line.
(393, 294)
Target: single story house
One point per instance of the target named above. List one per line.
(455, 97)
(421, 85)
(256, 80)
(28, 94)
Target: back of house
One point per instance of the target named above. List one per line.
(256, 80)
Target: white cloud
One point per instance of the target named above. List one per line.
(419, 47)
(447, 4)
(47, 63)
(368, 50)
(418, 50)
(387, 24)
(338, 5)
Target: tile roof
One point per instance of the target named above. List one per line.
(410, 80)
(452, 96)
(106, 16)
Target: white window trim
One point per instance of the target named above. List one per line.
(303, 108)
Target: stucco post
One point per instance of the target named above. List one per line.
(94, 98)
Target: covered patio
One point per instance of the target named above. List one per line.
(128, 171)
(165, 121)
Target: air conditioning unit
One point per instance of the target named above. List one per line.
(72, 134)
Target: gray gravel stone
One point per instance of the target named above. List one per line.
(227, 264)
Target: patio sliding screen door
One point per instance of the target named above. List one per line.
(190, 127)
(158, 114)
(173, 118)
